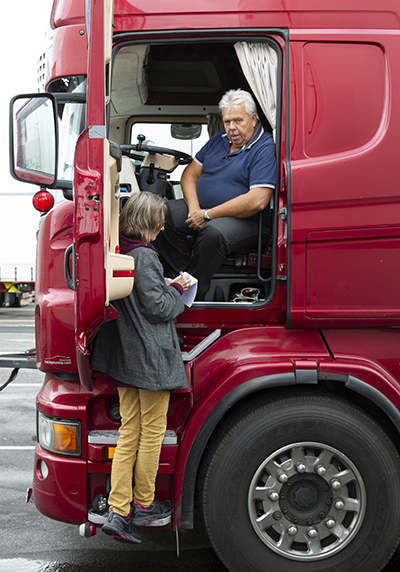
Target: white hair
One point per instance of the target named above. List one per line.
(235, 97)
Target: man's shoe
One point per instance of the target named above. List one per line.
(121, 528)
(157, 511)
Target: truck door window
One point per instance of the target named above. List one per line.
(71, 124)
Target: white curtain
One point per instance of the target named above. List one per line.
(259, 62)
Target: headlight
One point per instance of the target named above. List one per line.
(59, 435)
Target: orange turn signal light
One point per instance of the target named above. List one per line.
(65, 438)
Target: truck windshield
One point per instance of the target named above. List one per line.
(162, 135)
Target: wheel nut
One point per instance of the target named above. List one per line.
(335, 484)
(292, 530)
(282, 477)
(330, 522)
(102, 503)
(339, 504)
(320, 470)
(300, 467)
(273, 495)
(277, 515)
(312, 532)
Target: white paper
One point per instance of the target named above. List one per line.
(189, 295)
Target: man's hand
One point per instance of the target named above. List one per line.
(195, 219)
(189, 180)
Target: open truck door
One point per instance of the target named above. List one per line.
(101, 273)
(93, 267)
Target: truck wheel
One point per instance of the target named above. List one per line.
(100, 503)
(15, 301)
(306, 484)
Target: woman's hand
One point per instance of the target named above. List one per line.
(184, 281)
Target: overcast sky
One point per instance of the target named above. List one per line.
(21, 42)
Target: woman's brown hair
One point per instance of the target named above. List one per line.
(143, 214)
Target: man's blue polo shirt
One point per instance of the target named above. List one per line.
(227, 175)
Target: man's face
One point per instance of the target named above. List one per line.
(239, 125)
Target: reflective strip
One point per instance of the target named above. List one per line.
(97, 131)
(122, 273)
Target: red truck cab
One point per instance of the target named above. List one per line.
(288, 435)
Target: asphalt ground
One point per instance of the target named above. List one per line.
(30, 542)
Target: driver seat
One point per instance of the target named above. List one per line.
(128, 182)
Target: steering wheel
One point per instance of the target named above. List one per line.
(129, 151)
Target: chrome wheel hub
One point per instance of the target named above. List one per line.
(306, 501)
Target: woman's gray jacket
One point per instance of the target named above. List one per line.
(140, 348)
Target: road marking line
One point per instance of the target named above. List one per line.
(16, 447)
(19, 340)
(27, 384)
(17, 323)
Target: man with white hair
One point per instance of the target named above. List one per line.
(230, 180)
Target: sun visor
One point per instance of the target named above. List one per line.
(129, 81)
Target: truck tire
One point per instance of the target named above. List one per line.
(15, 301)
(302, 484)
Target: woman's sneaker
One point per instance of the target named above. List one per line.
(157, 514)
(121, 528)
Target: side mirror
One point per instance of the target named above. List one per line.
(33, 139)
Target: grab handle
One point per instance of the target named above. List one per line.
(70, 276)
